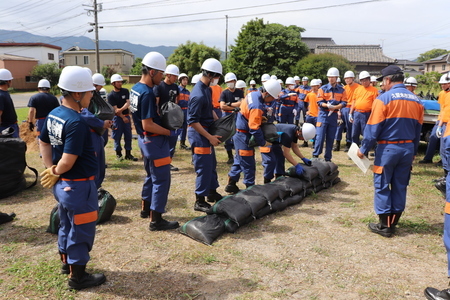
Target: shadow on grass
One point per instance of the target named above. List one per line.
(35, 236)
(165, 284)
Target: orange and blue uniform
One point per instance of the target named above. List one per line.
(216, 92)
(444, 117)
(288, 102)
(346, 124)
(326, 125)
(248, 124)
(183, 98)
(251, 90)
(434, 142)
(395, 125)
(446, 142)
(302, 106)
(364, 98)
(313, 108)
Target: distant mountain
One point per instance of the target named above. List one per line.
(82, 42)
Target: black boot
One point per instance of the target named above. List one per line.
(435, 294)
(201, 204)
(230, 157)
(65, 269)
(395, 217)
(145, 211)
(305, 144)
(384, 227)
(158, 223)
(267, 180)
(442, 187)
(231, 187)
(128, 156)
(347, 146)
(337, 146)
(183, 145)
(119, 154)
(79, 279)
(5, 218)
(213, 196)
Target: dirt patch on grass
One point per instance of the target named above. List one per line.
(320, 249)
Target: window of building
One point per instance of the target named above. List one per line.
(51, 56)
(86, 60)
(443, 67)
(433, 67)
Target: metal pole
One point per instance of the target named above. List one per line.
(226, 38)
(97, 52)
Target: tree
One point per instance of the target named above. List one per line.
(190, 56)
(50, 72)
(266, 48)
(428, 82)
(137, 67)
(431, 54)
(317, 65)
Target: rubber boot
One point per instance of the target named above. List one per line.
(395, 217)
(267, 180)
(183, 145)
(384, 227)
(337, 146)
(158, 223)
(213, 196)
(119, 154)
(201, 204)
(145, 211)
(305, 144)
(230, 157)
(231, 187)
(347, 146)
(79, 279)
(128, 156)
(435, 294)
(65, 269)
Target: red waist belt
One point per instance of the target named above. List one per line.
(288, 105)
(395, 142)
(240, 130)
(79, 179)
(150, 134)
(363, 111)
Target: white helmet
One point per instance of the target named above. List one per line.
(333, 72)
(338, 80)
(195, 78)
(98, 79)
(89, 70)
(305, 78)
(229, 77)
(280, 81)
(319, 81)
(212, 65)
(252, 82)
(241, 84)
(272, 87)
(363, 75)
(274, 77)
(290, 80)
(308, 131)
(411, 81)
(154, 60)
(103, 94)
(75, 79)
(314, 82)
(116, 77)
(443, 80)
(296, 78)
(181, 76)
(172, 70)
(5, 75)
(349, 74)
(44, 83)
(373, 78)
(265, 77)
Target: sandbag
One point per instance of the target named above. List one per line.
(230, 225)
(237, 209)
(172, 116)
(278, 205)
(264, 212)
(106, 205)
(102, 110)
(224, 127)
(329, 179)
(270, 132)
(295, 199)
(5, 218)
(309, 172)
(205, 229)
(256, 202)
(292, 185)
(12, 167)
(267, 191)
(323, 168)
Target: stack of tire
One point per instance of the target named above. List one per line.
(235, 211)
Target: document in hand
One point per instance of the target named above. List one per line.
(364, 163)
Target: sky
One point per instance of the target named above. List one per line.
(404, 28)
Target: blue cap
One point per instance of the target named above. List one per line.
(389, 70)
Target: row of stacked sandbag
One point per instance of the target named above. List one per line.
(257, 201)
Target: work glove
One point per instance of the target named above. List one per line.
(31, 126)
(330, 106)
(439, 132)
(339, 122)
(307, 161)
(350, 118)
(298, 170)
(294, 112)
(49, 178)
(292, 94)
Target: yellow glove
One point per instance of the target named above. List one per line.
(48, 177)
(267, 144)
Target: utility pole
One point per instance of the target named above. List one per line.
(226, 38)
(96, 8)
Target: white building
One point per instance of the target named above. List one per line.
(44, 53)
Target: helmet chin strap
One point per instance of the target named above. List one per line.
(78, 101)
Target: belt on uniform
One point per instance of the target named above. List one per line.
(79, 179)
(288, 105)
(184, 108)
(41, 118)
(395, 142)
(92, 130)
(363, 111)
(240, 130)
(150, 134)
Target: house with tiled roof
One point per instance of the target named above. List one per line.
(364, 57)
(313, 42)
(438, 64)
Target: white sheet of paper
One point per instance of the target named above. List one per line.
(363, 164)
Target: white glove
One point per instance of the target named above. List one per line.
(439, 132)
(350, 118)
(331, 107)
(295, 112)
(292, 94)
